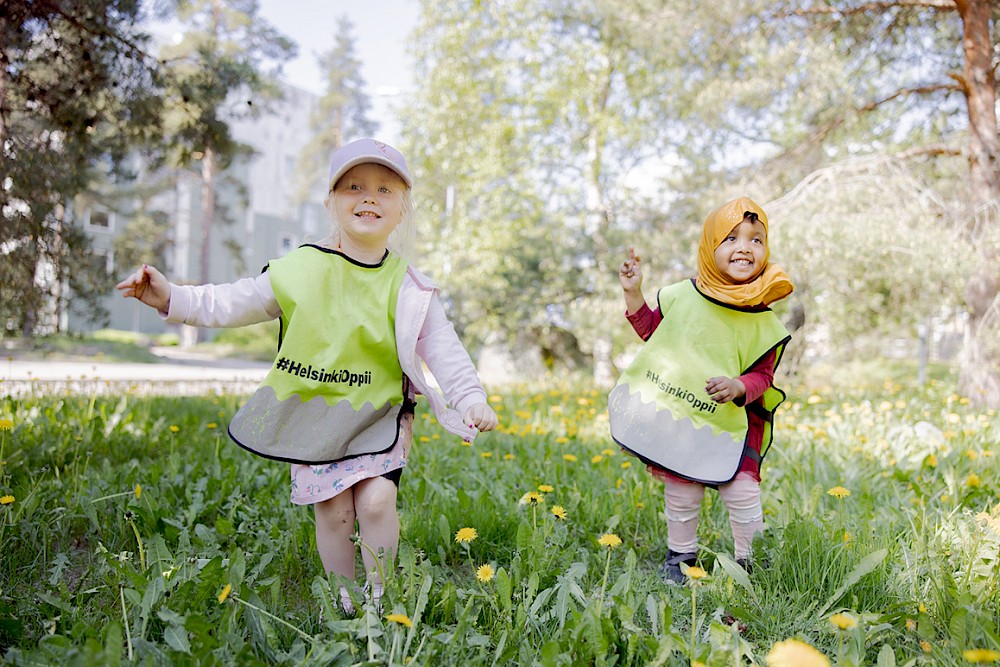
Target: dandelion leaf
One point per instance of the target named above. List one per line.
(113, 645)
(867, 565)
(739, 575)
(176, 637)
(886, 658)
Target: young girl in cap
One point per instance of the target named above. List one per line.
(697, 401)
(356, 322)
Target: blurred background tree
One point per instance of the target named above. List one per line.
(222, 69)
(77, 92)
(549, 136)
(342, 113)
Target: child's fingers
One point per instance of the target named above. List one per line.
(132, 281)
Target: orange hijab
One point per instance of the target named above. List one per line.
(771, 285)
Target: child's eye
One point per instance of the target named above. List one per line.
(354, 186)
(730, 238)
(384, 190)
(760, 241)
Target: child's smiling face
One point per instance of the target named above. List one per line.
(740, 256)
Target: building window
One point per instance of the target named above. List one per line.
(100, 220)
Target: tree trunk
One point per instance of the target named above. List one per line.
(209, 168)
(979, 376)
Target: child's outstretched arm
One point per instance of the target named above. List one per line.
(630, 276)
(148, 286)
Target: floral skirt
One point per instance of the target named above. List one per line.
(316, 483)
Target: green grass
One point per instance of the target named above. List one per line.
(130, 515)
(105, 345)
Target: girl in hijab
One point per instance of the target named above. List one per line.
(697, 402)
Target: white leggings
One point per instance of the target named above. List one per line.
(683, 503)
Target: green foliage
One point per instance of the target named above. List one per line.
(130, 517)
(77, 93)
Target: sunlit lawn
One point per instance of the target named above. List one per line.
(130, 528)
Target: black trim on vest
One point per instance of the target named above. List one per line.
(743, 309)
(335, 251)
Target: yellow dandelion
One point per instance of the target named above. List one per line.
(569, 457)
(795, 653)
(138, 491)
(224, 595)
(484, 573)
(6, 424)
(695, 572)
(608, 452)
(596, 458)
(531, 498)
(838, 492)
(972, 454)
(562, 440)
(211, 425)
(174, 428)
(981, 655)
(6, 500)
(465, 443)
(911, 625)
(922, 608)
(466, 535)
(508, 457)
(546, 488)
(844, 621)
(609, 540)
(486, 455)
(558, 511)
(402, 619)
(931, 461)
(626, 465)
(925, 646)
(972, 481)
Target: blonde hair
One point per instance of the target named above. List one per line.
(402, 240)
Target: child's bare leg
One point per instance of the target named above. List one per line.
(334, 528)
(378, 522)
(746, 516)
(683, 504)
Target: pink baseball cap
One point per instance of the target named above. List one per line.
(364, 151)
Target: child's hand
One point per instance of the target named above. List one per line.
(481, 416)
(630, 272)
(723, 389)
(148, 286)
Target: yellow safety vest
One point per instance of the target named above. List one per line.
(660, 411)
(335, 389)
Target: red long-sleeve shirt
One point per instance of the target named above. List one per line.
(756, 380)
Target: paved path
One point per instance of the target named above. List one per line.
(180, 373)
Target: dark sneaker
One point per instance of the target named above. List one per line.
(750, 565)
(671, 569)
